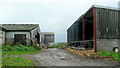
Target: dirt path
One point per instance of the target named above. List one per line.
(60, 57)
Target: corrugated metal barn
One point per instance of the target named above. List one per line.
(97, 29)
(119, 24)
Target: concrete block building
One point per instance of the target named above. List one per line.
(2, 35)
(47, 38)
(26, 34)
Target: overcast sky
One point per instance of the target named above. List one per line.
(52, 15)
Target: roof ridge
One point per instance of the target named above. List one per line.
(19, 26)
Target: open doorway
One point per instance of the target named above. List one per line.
(89, 29)
(20, 38)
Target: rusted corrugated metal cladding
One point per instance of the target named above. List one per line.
(107, 23)
(74, 33)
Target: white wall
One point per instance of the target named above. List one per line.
(2, 37)
(34, 32)
(10, 35)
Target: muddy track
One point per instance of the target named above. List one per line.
(61, 57)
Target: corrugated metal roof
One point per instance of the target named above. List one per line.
(19, 26)
(105, 7)
(96, 6)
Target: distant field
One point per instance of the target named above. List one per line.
(58, 45)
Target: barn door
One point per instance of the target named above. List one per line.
(20, 38)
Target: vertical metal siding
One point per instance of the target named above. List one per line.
(107, 23)
(118, 25)
(74, 33)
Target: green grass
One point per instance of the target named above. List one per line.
(116, 56)
(20, 53)
(17, 50)
(16, 61)
(0, 56)
(59, 45)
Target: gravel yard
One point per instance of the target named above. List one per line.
(61, 57)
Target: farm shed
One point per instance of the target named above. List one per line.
(2, 35)
(97, 29)
(26, 34)
(119, 23)
(47, 38)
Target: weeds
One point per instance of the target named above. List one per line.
(116, 56)
(16, 61)
(59, 45)
(17, 49)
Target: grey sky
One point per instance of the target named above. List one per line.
(52, 15)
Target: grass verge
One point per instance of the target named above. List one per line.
(58, 45)
(17, 50)
(0, 61)
(20, 53)
(16, 61)
(101, 55)
(116, 56)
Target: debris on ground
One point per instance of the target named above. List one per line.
(87, 53)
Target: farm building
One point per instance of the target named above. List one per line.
(26, 34)
(2, 35)
(47, 38)
(119, 23)
(96, 29)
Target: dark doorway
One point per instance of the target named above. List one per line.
(20, 38)
(89, 30)
(38, 38)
